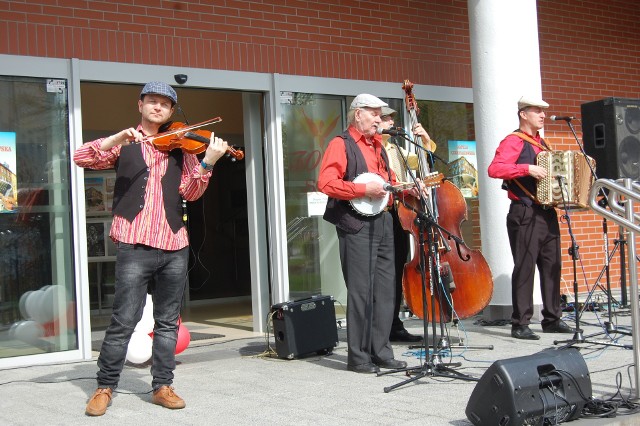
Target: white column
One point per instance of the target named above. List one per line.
(505, 63)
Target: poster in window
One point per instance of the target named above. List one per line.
(95, 194)
(463, 167)
(8, 173)
(95, 239)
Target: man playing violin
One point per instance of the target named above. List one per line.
(151, 239)
(366, 242)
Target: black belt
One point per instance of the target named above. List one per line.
(540, 206)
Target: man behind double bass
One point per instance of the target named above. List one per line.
(399, 159)
(448, 262)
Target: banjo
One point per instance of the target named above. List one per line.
(368, 206)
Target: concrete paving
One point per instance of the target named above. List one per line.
(235, 380)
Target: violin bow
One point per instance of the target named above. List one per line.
(185, 129)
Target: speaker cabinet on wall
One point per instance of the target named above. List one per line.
(611, 135)
(551, 386)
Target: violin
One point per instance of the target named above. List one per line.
(190, 138)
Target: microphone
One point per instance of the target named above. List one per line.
(389, 188)
(561, 118)
(394, 131)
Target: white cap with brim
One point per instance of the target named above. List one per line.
(387, 111)
(531, 101)
(365, 100)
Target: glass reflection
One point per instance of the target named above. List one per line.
(37, 297)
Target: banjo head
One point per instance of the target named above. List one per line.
(368, 206)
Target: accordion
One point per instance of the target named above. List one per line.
(572, 188)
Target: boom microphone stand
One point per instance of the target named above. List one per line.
(573, 252)
(426, 224)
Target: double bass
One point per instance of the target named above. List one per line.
(470, 285)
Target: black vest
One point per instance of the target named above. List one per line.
(339, 212)
(527, 156)
(132, 175)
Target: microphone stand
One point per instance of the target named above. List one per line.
(618, 243)
(423, 220)
(573, 252)
(443, 343)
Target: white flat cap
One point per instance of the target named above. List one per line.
(527, 101)
(365, 100)
(387, 111)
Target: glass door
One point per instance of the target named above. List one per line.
(37, 286)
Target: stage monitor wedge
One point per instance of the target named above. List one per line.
(611, 135)
(549, 387)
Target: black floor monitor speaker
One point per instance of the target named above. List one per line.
(305, 326)
(548, 387)
(611, 135)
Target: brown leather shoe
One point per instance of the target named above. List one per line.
(99, 402)
(167, 398)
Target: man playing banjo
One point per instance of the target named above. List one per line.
(365, 241)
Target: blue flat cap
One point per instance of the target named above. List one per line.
(160, 88)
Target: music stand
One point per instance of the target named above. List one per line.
(426, 224)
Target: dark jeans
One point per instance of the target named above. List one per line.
(141, 269)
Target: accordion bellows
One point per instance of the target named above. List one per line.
(576, 179)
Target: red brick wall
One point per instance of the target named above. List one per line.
(424, 40)
(589, 50)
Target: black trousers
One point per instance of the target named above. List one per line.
(367, 260)
(401, 244)
(534, 236)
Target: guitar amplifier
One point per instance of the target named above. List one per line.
(305, 326)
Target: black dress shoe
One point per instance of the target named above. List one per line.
(404, 336)
(523, 332)
(557, 327)
(367, 367)
(391, 363)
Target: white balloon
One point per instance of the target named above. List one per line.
(32, 305)
(29, 331)
(12, 329)
(146, 323)
(140, 348)
(22, 304)
(47, 302)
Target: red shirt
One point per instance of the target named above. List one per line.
(150, 226)
(334, 166)
(504, 164)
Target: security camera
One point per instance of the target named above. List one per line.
(181, 78)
